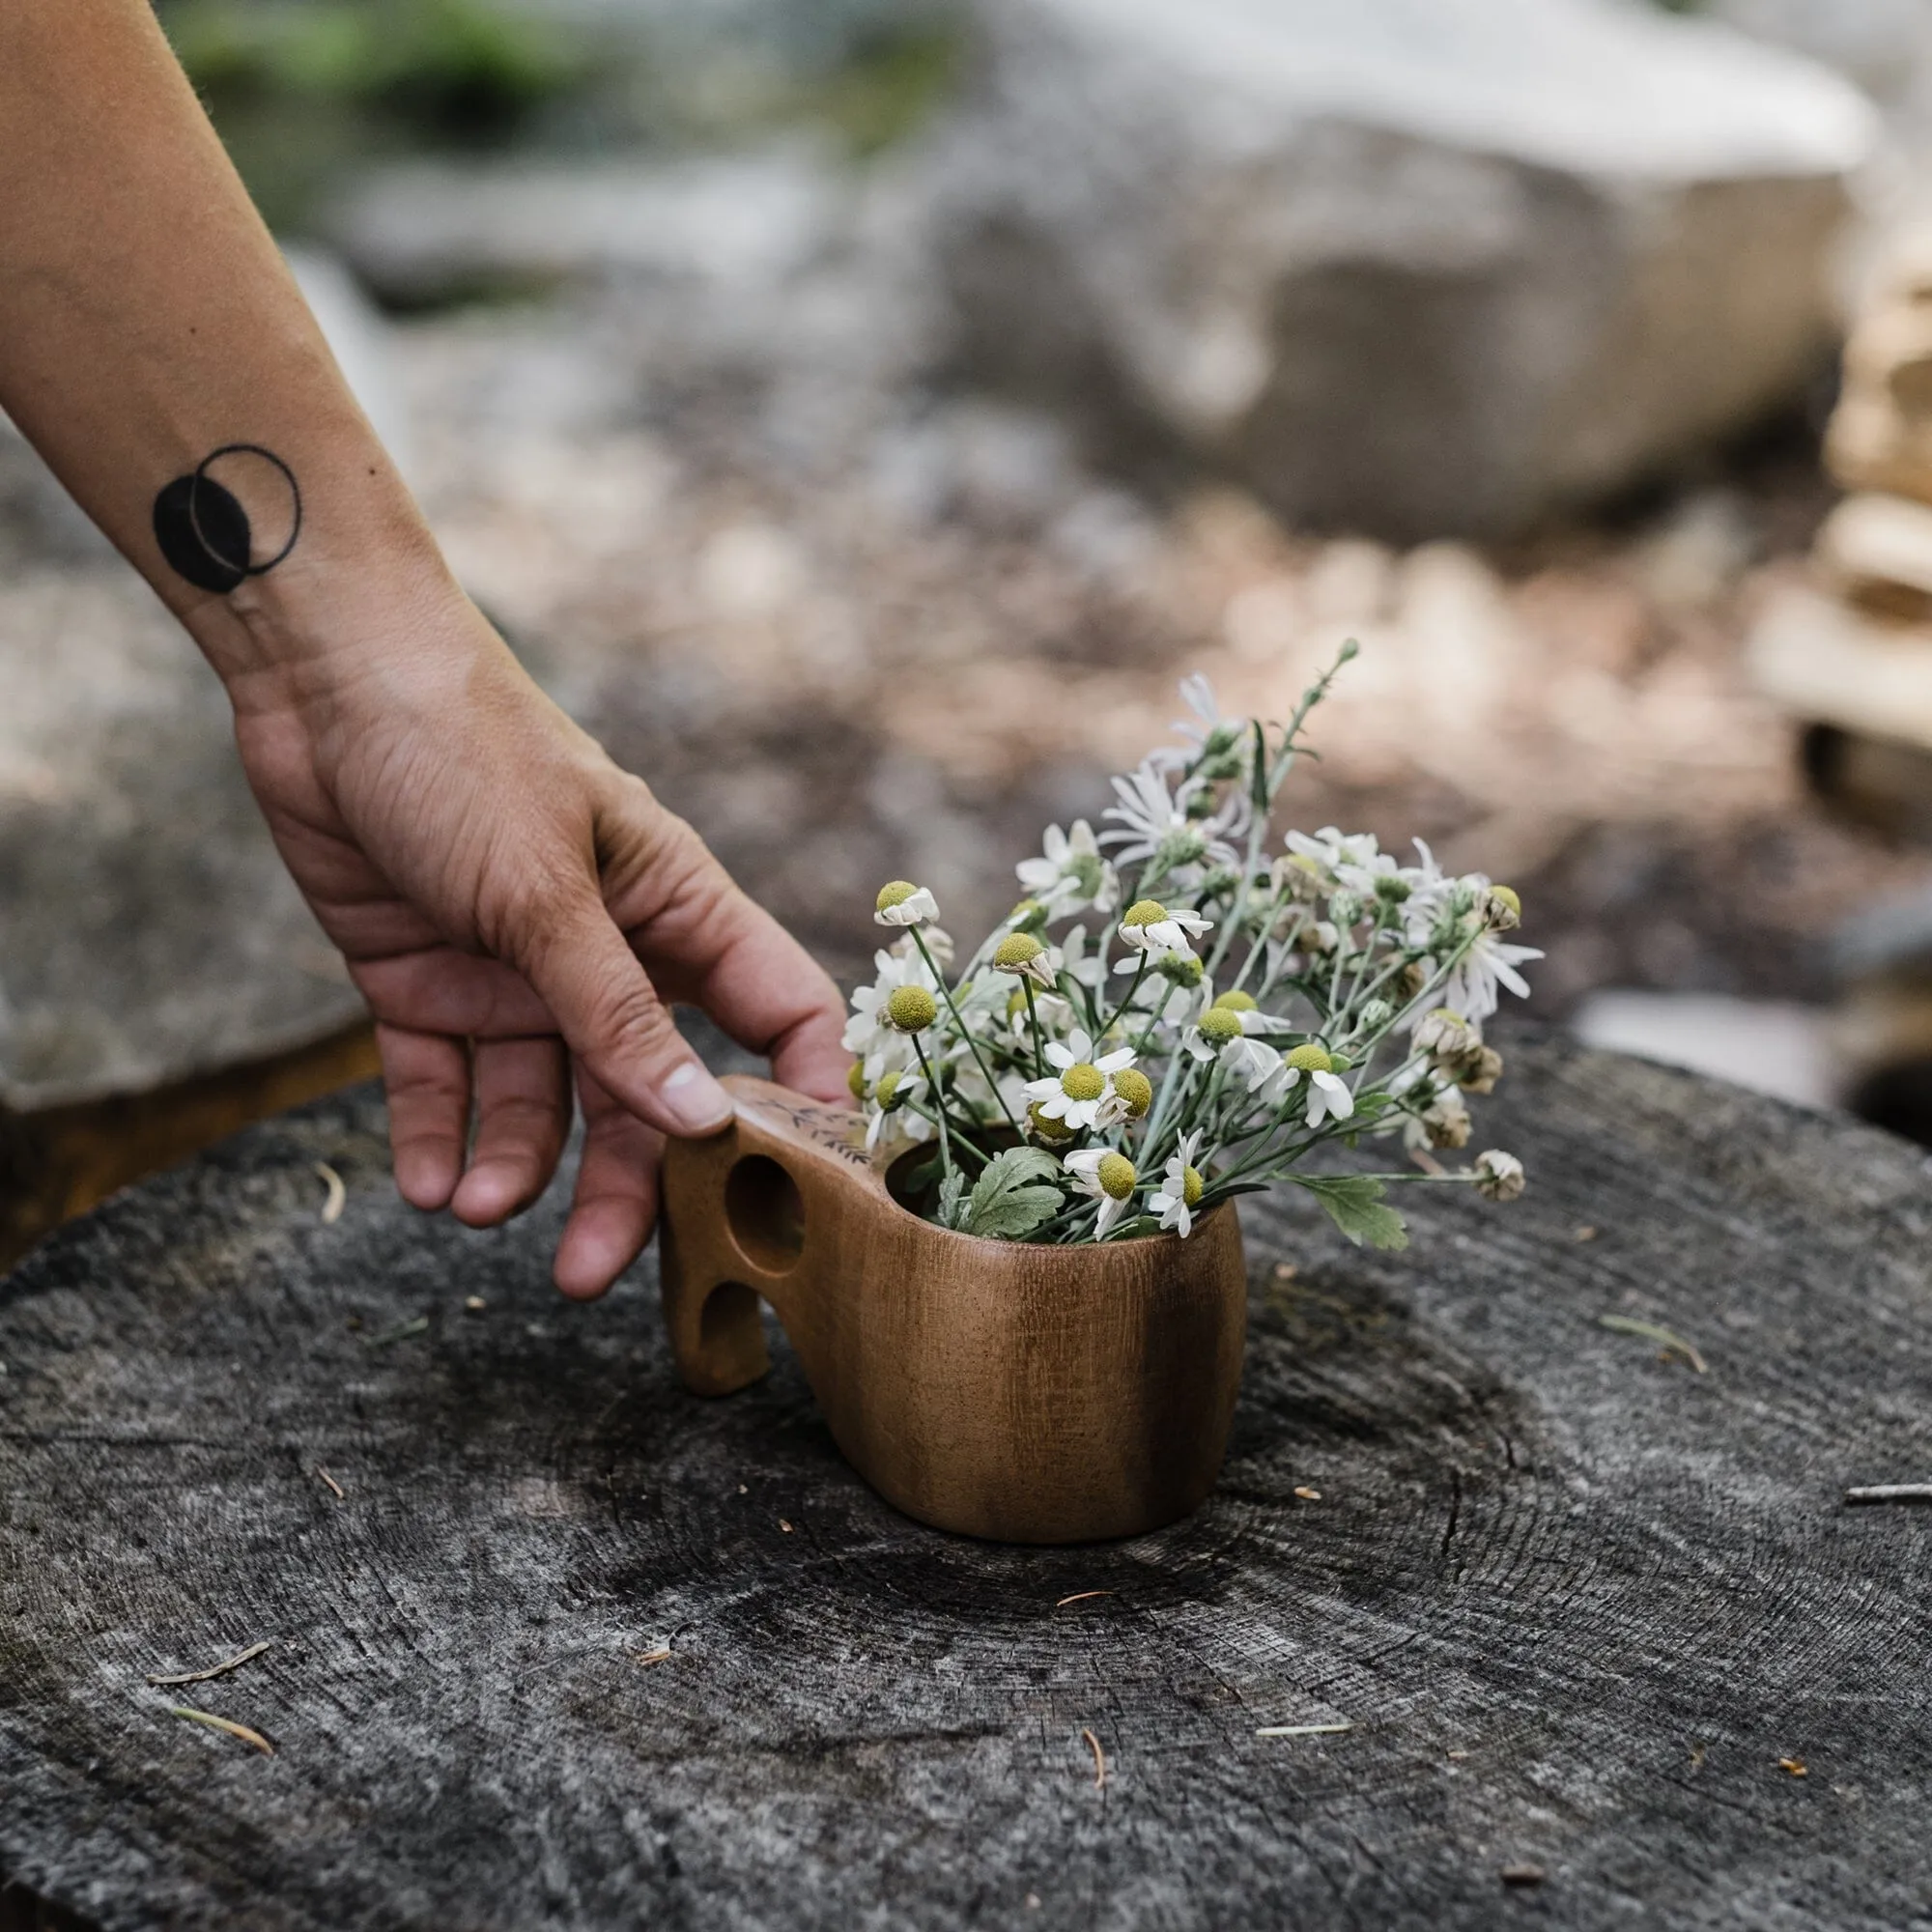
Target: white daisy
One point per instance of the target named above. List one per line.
(1207, 733)
(1472, 986)
(889, 1115)
(903, 903)
(1071, 874)
(1149, 924)
(1180, 1188)
(866, 1032)
(1081, 1085)
(1499, 1175)
(1328, 1096)
(1106, 1177)
(1154, 822)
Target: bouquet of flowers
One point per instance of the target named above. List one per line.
(1198, 1033)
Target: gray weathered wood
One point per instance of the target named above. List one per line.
(1575, 1602)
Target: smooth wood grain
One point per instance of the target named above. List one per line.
(1575, 1602)
(1000, 1389)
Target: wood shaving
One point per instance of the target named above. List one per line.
(228, 1725)
(221, 1670)
(1100, 1761)
(339, 1194)
(1629, 1324)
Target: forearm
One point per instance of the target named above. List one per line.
(147, 321)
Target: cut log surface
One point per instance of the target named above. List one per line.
(1586, 1612)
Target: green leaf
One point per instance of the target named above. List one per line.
(1353, 1204)
(949, 1191)
(1009, 1199)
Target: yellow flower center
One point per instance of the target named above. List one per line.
(887, 1092)
(1046, 1126)
(1135, 1088)
(1510, 897)
(1016, 950)
(1220, 1026)
(911, 1008)
(1236, 1002)
(855, 1080)
(1311, 1059)
(1191, 1185)
(1116, 1174)
(897, 893)
(1015, 1004)
(1083, 1081)
(1143, 912)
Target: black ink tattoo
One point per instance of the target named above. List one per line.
(205, 533)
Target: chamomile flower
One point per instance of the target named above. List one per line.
(890, 1119)
(1223, 746)
(1106, 1177)
(1328, 1096)
(1149, 924)
(1499, 1176)
(1443, 1123)
(1181, 1187)
(1022, 955)
(1154, 823)
(1071, 874)
(1082, 1082)
(866, 1032)
(903, 903)
(1471, 985)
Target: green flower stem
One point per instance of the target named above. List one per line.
(1032, 1027)
(945, 1138)
(965, 1032)
(1112, 1020)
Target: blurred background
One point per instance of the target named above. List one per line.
(861, 413)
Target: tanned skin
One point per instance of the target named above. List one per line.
(516, 910)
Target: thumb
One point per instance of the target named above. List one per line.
(570, 950)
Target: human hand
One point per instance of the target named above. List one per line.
(518, 912)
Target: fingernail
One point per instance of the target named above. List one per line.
(694, 1100)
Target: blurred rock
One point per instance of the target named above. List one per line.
(1773, 1046)
(428, 231)
(150, 933)
(359, 337)
(1417, 271)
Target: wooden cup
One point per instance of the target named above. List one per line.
(1023, 1393)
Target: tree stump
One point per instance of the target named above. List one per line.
(555, 1643)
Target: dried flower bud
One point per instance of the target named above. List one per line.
(1135, 1092)
(1447, 1036)
(1413, 977)
(1029, 916)
(1447, 1121)
(911, 1008)
(1499, 1176)
(1480, 1073)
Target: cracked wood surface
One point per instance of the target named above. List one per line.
(1576, 1601)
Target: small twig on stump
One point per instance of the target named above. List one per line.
(234, 1662)
(226, 1724)
(1892, 1493)
(1100, 1761)
(1080, 1597)
(1627, 1324)
(341, 1495)
(338, 1195)
(1303, 1730)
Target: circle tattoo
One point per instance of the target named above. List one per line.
(205, 532)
